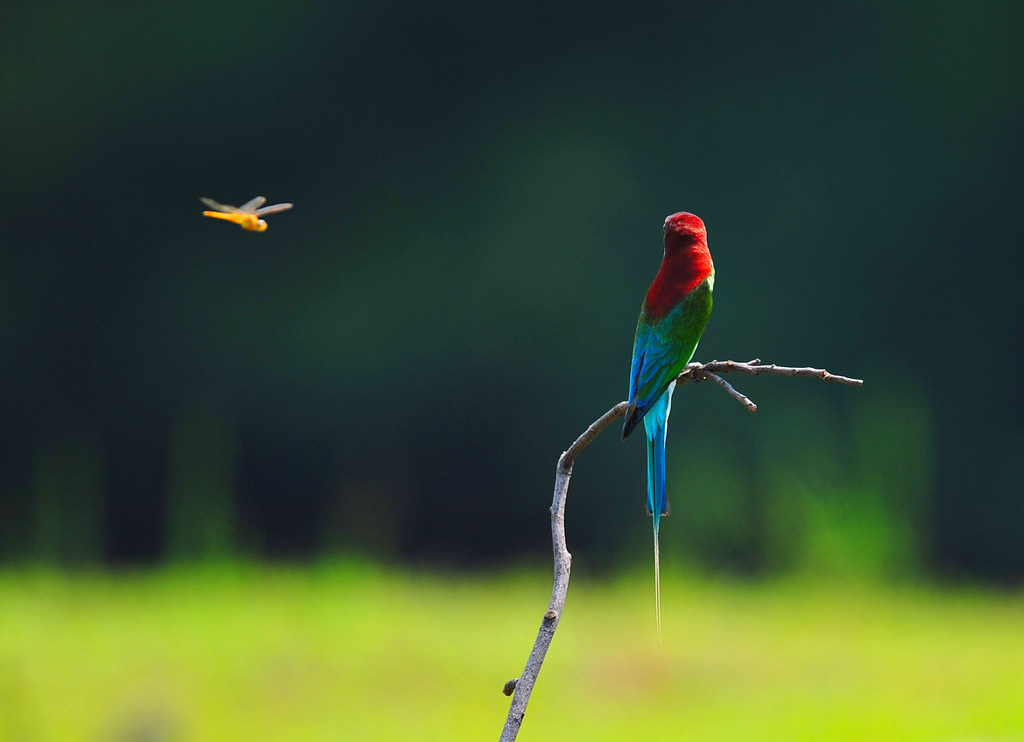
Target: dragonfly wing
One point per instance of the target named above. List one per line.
(220, 207)
(251, 206)
(273, 209)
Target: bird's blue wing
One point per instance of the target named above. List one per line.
(662, 349)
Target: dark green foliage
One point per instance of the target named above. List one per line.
(395, 365)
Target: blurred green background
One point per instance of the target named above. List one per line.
(367, 401)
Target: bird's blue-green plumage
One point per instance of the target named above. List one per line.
(662, 348)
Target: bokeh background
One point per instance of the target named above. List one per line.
(367, 401)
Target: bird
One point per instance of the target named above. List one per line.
(672, 319)
(247, 216)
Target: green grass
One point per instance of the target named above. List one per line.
(355, 653)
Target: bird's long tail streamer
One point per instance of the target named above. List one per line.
(656, 427)
(657, 579)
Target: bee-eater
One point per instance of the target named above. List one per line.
(672, 319)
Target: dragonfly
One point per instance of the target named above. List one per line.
(247, 216)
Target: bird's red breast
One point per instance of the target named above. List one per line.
(687, 262)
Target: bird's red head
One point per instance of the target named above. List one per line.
(683, 230)
(687, 262)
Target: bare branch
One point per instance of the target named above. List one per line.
(756, 368)
(522, 686)
(742, 399)
(563, 561)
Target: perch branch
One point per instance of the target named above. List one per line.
(694, 371)
(741, 398)
(522, 687)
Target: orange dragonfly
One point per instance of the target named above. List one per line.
(247, 216)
